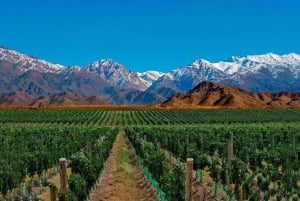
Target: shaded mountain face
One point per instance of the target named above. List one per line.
(58, 99)
(115, 84)
(208, 94)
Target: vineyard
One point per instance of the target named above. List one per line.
(238, 154)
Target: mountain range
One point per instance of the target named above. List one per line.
(29, 80)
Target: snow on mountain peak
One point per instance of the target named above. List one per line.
(246, 63)
(150, 76)
(117, 74)
(107, 62)
(184, 77)
(292, 57)
(275, 59)
(27, 63)
(200, 62)
(265, 58)
(103, 63)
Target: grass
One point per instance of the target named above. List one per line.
(125, 168)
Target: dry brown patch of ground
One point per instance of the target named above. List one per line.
(55, 180)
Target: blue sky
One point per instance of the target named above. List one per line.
(149, 34)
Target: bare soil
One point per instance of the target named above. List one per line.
(123, 179)
(45, 196)
(45, 191)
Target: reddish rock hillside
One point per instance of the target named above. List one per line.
(208, 94)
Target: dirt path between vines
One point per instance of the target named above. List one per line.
(123, 179)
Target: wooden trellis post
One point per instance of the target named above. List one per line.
(230, 149)
(63, 178)
(158, 146)
(188, 178)
(53, 193)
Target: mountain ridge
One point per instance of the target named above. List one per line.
(116, 84)
(247, 72)
(17, 98)
(211, 95)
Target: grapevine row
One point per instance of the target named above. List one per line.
(267, 155)
(29, 150)
(146, 117)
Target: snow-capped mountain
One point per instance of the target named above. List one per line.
(150, 76)
(186, 77)
(268, 72)
(116, 74)
(242, 64)
(116, 84)
(38, 78)
(25, 63)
